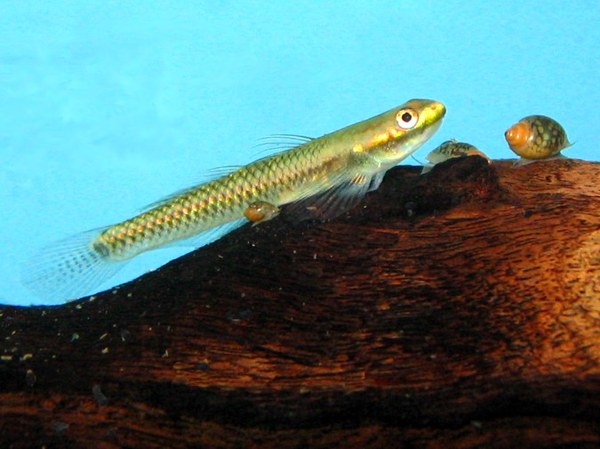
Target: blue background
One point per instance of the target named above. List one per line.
(106, 106)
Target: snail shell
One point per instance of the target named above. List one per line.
(451, 149)
(259, 211)
(536, 137)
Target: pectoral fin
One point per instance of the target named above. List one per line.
(336, 200)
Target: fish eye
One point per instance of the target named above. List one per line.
(407, 118)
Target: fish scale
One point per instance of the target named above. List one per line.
(211, 204)
(323, 176)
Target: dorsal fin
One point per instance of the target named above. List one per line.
(277, 143)
(274, 144)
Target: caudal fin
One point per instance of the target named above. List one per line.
(68, 269)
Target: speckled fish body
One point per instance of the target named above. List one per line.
(536, 137)
(328, 174)
(351, 157)
(451, 149)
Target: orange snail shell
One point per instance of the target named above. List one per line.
(518, 136)
(260, 211)
(537, 137)
(254, 214)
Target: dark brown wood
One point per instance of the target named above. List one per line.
(459, 309)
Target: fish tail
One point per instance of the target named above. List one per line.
(69, 268)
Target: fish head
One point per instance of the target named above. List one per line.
(396, 134)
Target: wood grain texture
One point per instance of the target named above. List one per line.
(458, 309)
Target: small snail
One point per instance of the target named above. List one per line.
(451, 149)
(260, 211)
(537, 137)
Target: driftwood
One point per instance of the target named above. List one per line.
(459, 309)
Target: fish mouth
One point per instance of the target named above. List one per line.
(438, 110)
(431, 130)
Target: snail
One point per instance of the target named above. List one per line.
(536, 137)
(260, 211)
(451, 149)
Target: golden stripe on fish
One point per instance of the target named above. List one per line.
(321, 177)
(451, 149)
(536, 137)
